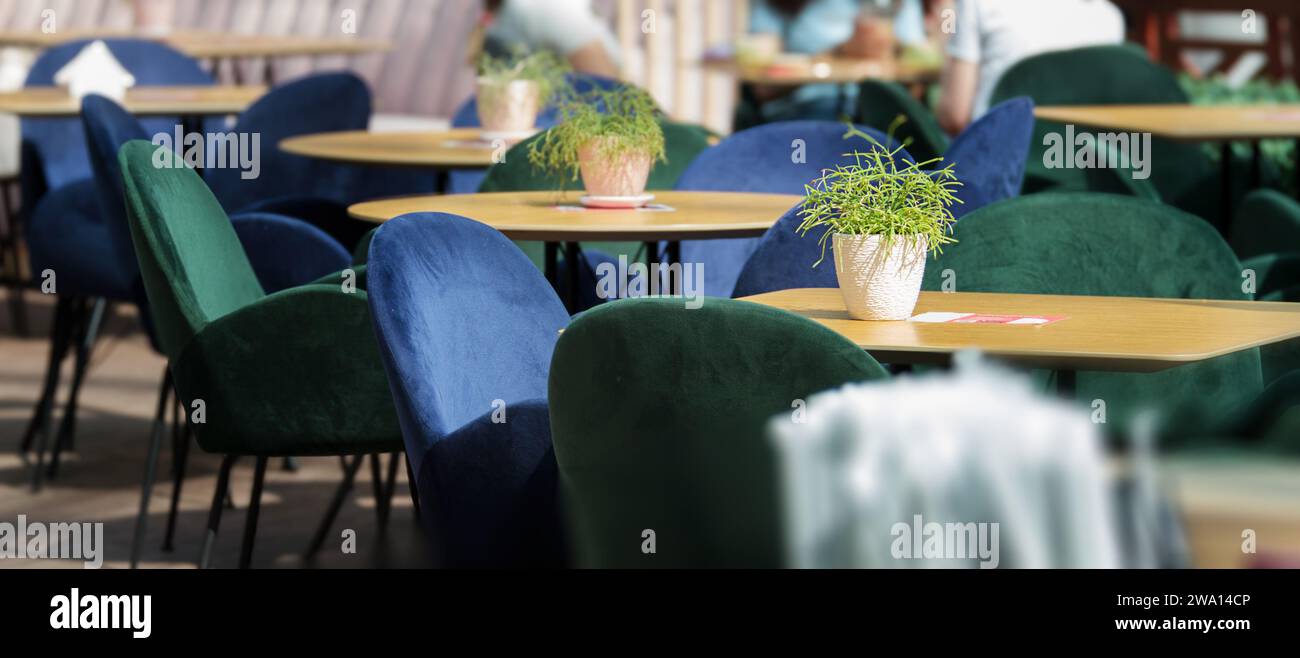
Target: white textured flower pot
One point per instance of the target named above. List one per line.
(879, 283)
(622, 176)
(509, 107)
(154, 17)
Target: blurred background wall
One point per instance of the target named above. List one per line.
(427, 72)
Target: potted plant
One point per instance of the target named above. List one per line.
(154, 17)
(611, 138)
(512, 91)
(883, 218)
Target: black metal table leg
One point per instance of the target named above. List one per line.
(1226, 204)
(1067, 382)
(673, 256)
(573, 259)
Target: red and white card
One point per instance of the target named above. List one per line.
(941, 317)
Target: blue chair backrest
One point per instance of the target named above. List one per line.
(287, 252)
(107, 126)
(774, 158)
(990, 155)
(56, 147)
(329, 102)
(784, 259)
(463, 318)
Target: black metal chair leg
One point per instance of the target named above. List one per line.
(377, 487)
(9, 251)
(254, 509)
(214, 514)
(73, 319)
(340, 494)
(85, 347)
(59, 334)
(151, 467)
(410, 484)
(178, 479)
(390, 486)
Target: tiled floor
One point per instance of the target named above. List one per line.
(100, 480)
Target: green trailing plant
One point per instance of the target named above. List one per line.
(544, 68)
(876, 196)
(617, 122)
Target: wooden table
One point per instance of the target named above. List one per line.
(1113, 334)
(794, 71)
(458, 148)
(534, 216)
(190, 104)
(215, 46)
(55, 102)
(1190, 123)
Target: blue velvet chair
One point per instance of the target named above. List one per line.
(990, 155)
(467, 181)
(466, 326)
(59, 207)
(54, 149)
(312, 190)
(762, 159)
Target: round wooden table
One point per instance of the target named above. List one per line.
(188, 103)
(459, 148)
(214, 46)
(795, 71)
(185, 101)
(554, 219)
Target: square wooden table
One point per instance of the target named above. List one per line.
(1113, 334)
(1190, 123)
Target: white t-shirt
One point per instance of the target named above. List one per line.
(996, 34)
(561, 26)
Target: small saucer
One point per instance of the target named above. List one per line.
(616, 202)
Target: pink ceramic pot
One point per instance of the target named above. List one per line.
(154, 17)
(509, 107)
(621, 176)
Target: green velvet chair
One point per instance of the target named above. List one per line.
(1267, 221)
(880, 103)
(658, 415)
(293, 373)
(682, 142)
(1106, 245)
(1182, 173)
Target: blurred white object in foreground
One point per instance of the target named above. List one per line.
(960, 470)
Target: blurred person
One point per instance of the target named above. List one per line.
(991, 36)
(828, 27)
(569, 28)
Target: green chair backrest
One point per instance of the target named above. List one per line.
(1105, 245)
(879, 103)
(658, 417)
(1104, 75)
(192, 262)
